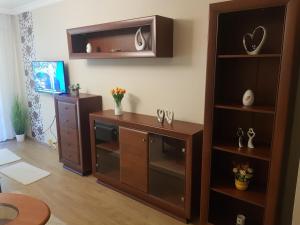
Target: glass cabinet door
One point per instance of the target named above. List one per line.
(167, 169)
(107, 151)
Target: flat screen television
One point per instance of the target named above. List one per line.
(49, 76)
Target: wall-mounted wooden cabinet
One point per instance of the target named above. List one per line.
(230, 72)
(156, 164)
(117, 39)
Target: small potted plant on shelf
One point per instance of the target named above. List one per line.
(19, 119)
(243, 174)
(74, 89)
(118, 94)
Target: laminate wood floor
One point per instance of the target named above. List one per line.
(78, 200)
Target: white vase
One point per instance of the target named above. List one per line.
(248, 98)
(118, 109)
(89, 48)
(20, 138)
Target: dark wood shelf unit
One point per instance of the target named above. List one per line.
(245, 56)
(157, 164)
(225, 212)
(253, 196)
(109, 146)
(116, 39)
(255, 109)
(169, 166)
(259, 152)
(230, 72)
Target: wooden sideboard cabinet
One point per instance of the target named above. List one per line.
(156, 164)
(72, 122)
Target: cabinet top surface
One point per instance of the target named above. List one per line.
(81, 96)
(146, 121)
(115, 25)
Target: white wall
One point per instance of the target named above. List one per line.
(176, 83)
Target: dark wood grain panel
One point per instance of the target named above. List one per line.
(67, 114)
(72, 122)
(134, 158)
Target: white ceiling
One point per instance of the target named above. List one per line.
(14, 7)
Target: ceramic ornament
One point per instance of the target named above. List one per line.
(248, 98)
(139, 41)
(254, 49)
(160, 114)
(240, 219)
(251, 135)
(169, 116)
(240, 134)
(88, 48)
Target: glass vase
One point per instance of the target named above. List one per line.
(118, 109)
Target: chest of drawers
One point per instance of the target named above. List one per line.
(72, 121)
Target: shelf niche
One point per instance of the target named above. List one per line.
(116, 39)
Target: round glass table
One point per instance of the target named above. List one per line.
(7, 213)
(19, 209)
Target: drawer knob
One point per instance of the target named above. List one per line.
(183, 150)
(144, 139)
(182, 199)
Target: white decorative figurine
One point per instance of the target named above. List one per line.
(240, 219)
(169, 116)
(160, 114)
(88, 48)
(140, 45)
(248, 98)
(254, 50)
(251, 135)
(240, 134)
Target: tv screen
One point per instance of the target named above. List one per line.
(49, 76)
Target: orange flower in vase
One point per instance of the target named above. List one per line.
(118, 94)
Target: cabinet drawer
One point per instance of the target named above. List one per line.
(67, 114)
(68, 134)
(70, 151)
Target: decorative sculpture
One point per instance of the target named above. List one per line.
(160, 114)
(240, 219)
(139, 41)
(89, 48)
(251, 135)
(254, 49)
(240, 134)
(169, 116)
(248, 98)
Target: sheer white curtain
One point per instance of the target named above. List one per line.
(9, 81)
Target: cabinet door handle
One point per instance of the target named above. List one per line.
(183, 150)
(144, 139)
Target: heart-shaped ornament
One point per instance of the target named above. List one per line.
(253, 42)
(160, 114)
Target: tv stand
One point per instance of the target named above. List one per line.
(153, 163)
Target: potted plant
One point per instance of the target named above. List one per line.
(19, 119)
(74, 89)
(243, 174)
(118, 94)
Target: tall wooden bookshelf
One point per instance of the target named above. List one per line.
(230, 72)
